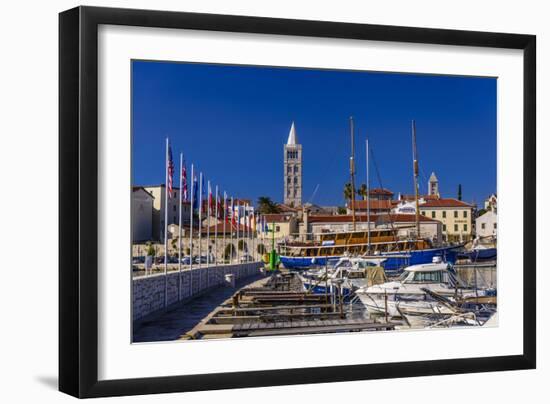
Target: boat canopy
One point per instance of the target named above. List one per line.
(430, 267)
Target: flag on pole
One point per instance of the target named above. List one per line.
(170, 168)
(203, 195)
(234, 214)
(219, 205)
(210, 200)
(194, 198)
(184, 182)
(224, 207)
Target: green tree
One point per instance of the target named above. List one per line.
(342, 210)
(266, 205)
(362, 191)
(348, 193)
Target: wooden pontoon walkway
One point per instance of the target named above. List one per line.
(277, 306)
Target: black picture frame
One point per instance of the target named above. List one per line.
(78, 196)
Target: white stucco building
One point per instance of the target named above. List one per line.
(142, 214)
(486, 224)
(158, 193)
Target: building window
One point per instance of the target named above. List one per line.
(433, 214)
(277, 228)
(296, 169)
(482, 226)
(465, 227)
(465, 214)
(456, 227)
(444, 227)
(295, 180)
(288, 180)
(289, 169)
(494, 226)
(456, 213)
(424, 213)
(174, 208)
(444, 214)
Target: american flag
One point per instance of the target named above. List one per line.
(184, 181)
(170, 168)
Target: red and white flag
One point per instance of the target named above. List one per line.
(184, 182)
(170, 169)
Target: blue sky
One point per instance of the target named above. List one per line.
(232, 123)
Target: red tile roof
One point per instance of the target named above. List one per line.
(375, 204)
(425, 197)
(380, 191)
(445, 203)
(242, 228)
(285, 208)
(277, 217)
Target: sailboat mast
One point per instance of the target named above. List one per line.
(415, 171)
(368, 195)
(352, 171)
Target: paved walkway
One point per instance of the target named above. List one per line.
(183, 317)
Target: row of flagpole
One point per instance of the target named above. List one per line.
(231, 217)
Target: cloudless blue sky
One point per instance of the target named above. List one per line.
(232, 123)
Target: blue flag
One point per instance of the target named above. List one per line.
(195, 199)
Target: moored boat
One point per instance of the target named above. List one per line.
(414, 291)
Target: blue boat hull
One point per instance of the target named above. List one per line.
(305, 262)
(396, 264)
(480, 255)
(320, 289)
(392, 264)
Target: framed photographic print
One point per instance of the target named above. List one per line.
(251, 201)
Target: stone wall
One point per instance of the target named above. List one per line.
(148, 291)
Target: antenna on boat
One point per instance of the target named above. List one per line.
(352, 171)
(415, 172)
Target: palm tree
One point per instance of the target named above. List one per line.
(348, 193)
(362, 191)
(266, 205)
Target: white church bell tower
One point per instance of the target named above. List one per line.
(293, 169)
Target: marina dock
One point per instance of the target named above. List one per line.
(273, 305)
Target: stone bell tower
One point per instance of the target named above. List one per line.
(433, 185)
(293, 170)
